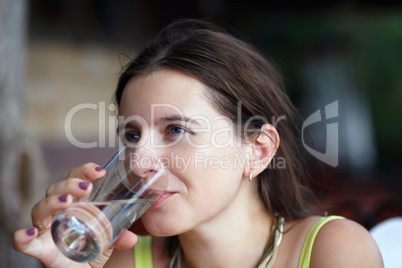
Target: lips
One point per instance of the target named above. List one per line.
(151, 194)
(166, 195)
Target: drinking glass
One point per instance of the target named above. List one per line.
(135, 178)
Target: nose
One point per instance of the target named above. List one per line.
(147, 172)
(143, 162)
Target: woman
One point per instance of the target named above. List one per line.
(213, 107)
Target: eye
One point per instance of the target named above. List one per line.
(131, 137)
(176, 130)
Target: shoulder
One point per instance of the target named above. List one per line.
(344, 243)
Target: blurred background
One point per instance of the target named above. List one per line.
(56, 56)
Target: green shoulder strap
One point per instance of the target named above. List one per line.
(309, 242)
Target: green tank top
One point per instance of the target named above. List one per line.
(143, 251)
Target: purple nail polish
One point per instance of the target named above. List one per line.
(63, 198)
(30, 231)
(99, 169)
(83, 185)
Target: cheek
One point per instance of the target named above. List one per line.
(216, 152)
(208, 181)
(211, 166)
(204, 194)
(212, 177)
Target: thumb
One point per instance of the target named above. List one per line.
(126, 240)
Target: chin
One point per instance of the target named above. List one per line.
(161, 226)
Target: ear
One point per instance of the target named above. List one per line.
(263, 149)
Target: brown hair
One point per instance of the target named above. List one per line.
(234, 73)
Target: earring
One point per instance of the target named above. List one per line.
(250, 176)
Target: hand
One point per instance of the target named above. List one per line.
(37, 241)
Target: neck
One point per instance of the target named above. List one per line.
(235, 238)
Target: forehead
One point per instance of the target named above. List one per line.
(165, 92)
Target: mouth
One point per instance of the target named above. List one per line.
(166, 195)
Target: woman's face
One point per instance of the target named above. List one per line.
(168, 113)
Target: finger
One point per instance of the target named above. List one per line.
(126, 240)
(89, 171)
(29, 242)
(75, 187)
(24, 242)
(43, 211)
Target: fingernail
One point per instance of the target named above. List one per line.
(99, 169)
(30, 231)
(63, 198)
(83, 185)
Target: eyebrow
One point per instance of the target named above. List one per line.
(163, 120)
(176, 118)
